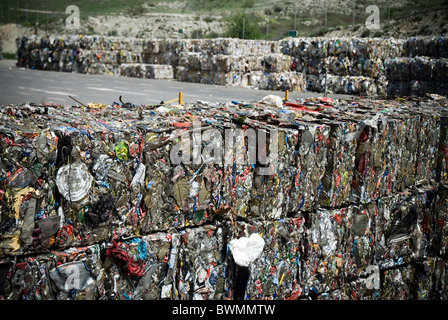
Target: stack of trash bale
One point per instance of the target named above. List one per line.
(84, 54)
(313, 198)
(359, 66)
(213, 61)
(150, 71)
(351, 65)
(422, 69)
(252, 63)
(168, 51)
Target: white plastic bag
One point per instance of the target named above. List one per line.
(246, 250)
(273, 100)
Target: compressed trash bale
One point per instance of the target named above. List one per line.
(276, 63)
(83, 284)
(158, 180)
(442, 160)
(207, 63)
(403, 133)
(421, 88)
(186, 75)
(421, 68)
(428, 287)
(112, 57)
(191, 196)
(309, 165)
(398, 89)
(25, 201)
(201, 271)
(253, 79)
(360, 235)
(341, 245)
(313, 83)
(326, 256)
(364, 287)
(286, 176)
(416, 76)
(417, 68)
(432, 46)
(440, 232)
(337, 181)
(37, 285)
(440, 71)
(367, 285)
(239, 174)
(245, 64)
(133, 70)
(139, 268)
(102, 68)
(398, 283)
(412, 281)
(349, 85)
(428, 143)
(220, 78)
(381, 138)
(425, 235)
(370, 160)
(302, 173)
(149, 71)
(231, 69)
(384, 175)
(404, 227)
(398, 69)
(292, 81)
(273, 274)
(241, 183)
(72, 274)
(230, 46)
(140, 200)
(346, 56)
(298, 195)
(338, 65)
(190, 60)
(222, 63)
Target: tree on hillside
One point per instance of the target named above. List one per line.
(247, 23)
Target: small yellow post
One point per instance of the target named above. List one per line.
(286, 95)
(180, 98)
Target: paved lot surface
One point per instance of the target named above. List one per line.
(19, 85)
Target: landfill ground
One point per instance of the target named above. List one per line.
(19, 85)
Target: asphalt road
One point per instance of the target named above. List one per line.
(20, 85)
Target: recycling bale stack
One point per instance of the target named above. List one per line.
(359, 66)
(150, 71)
(83, 54)
(422, 69)
(174, 202)
(252, 63)
(353, 65)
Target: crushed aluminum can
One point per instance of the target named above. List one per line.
(74, 181)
